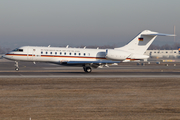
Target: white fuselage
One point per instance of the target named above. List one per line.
(56, 54)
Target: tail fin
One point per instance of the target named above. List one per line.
(142, 42)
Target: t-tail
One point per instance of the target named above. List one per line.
(136, 48)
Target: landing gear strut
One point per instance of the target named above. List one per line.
(87, 69)
(16, 66)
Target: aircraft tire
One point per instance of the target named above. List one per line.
(87, 69)
(17, 69)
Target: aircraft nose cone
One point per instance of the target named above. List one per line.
(4, 56)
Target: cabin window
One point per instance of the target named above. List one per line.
(64, 53)
(60, 53)
(56, 53)
(74, 53)
(69, 53)
(79, 53)
(41, 52)
(88, 54)
(84, 54)
(174, 52)
(46, 52)
(50, 52)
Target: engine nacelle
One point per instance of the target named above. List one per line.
(112, 54)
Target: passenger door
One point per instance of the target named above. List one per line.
(33, 54)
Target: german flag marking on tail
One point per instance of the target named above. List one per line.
(140, 39)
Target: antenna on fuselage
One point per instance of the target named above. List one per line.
(49, 45)
(67, 46)
(84, 47)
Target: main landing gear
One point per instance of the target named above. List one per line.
(16, 66)
(87, 69)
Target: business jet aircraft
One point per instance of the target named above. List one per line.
(86, 58)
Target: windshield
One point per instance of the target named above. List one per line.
(18, 50)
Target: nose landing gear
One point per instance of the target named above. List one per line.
(16, 66)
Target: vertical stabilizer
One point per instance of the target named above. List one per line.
(142, 42)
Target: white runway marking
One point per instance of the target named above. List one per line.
(90, 76)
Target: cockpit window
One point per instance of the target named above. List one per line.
(18, 50)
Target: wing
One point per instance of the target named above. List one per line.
(92, 62)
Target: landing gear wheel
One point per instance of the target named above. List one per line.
(17, 69)
(16, 66)
(87, 69)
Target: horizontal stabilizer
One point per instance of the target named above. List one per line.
(158, 34)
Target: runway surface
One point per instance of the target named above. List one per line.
(51, 92)
(28, 69)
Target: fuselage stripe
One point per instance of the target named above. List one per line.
(30, 55)
(131, 59)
